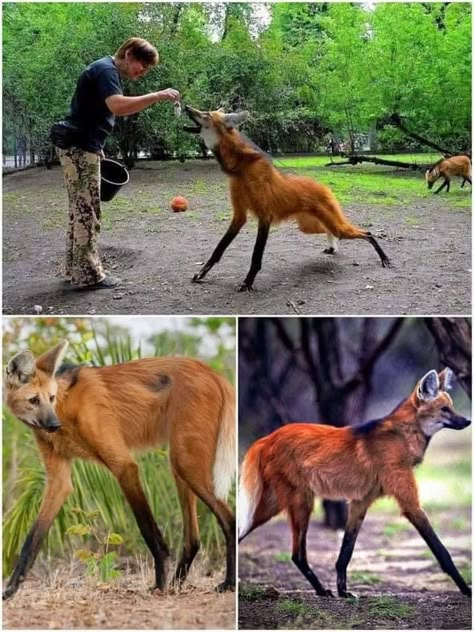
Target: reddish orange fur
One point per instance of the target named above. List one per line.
(336, 463)
(107, 412)
(449, 167)
(287, 469)
(256, 186)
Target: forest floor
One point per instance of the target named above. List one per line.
(157, 252)
(399, 584)
(64, 599)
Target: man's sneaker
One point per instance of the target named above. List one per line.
(107, 283)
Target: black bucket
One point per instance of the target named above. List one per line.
(113, 176)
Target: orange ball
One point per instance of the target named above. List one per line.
(179, 204)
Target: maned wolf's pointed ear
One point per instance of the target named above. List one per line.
(49, 362)
(428, 387)
(446, 379)
(236, 119)
(20, 369)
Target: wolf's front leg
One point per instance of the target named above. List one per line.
(257, 256)
(58, 488)
(229, 236)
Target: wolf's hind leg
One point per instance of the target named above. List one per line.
(309, 224)
(333, 243)
(299, 513)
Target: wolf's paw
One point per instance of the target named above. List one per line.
(244, 287)
(345, 594)
(326, 593)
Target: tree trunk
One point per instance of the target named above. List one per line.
(453, 340)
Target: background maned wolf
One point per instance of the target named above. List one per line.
(102, 414)
(285, 470)
(446, 168)
(256, 186)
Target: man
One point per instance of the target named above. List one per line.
(98, 99)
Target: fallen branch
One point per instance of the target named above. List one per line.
(356, 159)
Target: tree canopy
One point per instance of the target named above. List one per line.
(303, 70)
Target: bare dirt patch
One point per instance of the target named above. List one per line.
(157, 252)
(71, 602)
(399, 583)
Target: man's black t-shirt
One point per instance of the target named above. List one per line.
(89, 112)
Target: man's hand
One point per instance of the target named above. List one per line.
(170, 94)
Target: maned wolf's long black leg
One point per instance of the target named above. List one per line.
(357, 511)
(129, 481)
(420, 521)
(403, 488)
(299, 515)
(229, 236)
(445, 184)
(262, 236)
(383, 257)
(187, 500)
(58, 488)
(466, 179)
(226, 520)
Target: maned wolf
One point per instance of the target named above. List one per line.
(102, 414)
(256, 186)
(446, 168)
(285, 470)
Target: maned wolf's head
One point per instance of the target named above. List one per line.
(434, 406)
(431, 175)
(30, 387)
(212, 125)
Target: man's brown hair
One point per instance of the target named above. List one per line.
(140, 49)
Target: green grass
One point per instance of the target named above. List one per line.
(459, 524)
(446, 487)
(394, 528)
(200, 187)
(222, 216)
(374, 184)
(466, 572)
(302, 162)
(389, 607)
(283, 557)
(365, 577)
(293, 608)
(251, 592)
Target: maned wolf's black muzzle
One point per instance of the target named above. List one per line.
(50, 424)
(187, 128)
(457, 423)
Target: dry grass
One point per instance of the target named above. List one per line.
(66, 599)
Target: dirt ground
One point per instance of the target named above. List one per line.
(69, 601)
(157, 252)
(398, 582)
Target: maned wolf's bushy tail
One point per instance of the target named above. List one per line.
(225, 458)
(250, 489)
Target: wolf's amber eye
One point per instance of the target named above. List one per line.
(34, 400)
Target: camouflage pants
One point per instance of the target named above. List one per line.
(82, 178)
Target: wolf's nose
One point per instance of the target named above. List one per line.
(52, 425)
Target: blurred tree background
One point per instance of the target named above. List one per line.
(105, 341)
(304, 70)
(343, 371)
